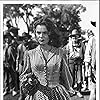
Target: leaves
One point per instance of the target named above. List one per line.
(65, 16)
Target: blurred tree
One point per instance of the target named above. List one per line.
(64, 16)
(16, 11)
(10, 11)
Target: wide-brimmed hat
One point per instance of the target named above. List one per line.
(24, 35)
(74, 33)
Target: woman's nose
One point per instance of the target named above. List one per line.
(41, 35)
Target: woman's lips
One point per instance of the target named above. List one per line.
(42, 40)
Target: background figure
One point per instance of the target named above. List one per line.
(84, 77)
(90, 62)
(20, 52)
(26, 45)
(10, 55)
(5, 67)
(75, 51)
(48, 65)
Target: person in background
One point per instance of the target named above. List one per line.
(48, 64)
(75, 54)
(5, 67)
(20, 52)
(22, 49)
(10, 55)
(84, 77)
(90, 63)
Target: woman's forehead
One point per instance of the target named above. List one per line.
(41, 28)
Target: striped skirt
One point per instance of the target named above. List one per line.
(56, 93)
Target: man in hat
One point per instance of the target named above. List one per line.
(5, 68)
(20, 52)
(75, 52)
(9, 68)
(84, 77)
(90, 63)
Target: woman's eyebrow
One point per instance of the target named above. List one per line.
(38, 31)
(41, 32)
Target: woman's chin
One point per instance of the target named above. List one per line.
(42, 43)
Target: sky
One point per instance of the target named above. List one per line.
(91, 14)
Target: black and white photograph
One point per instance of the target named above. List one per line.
(50, 50)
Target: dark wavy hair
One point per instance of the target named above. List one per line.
(52, 29)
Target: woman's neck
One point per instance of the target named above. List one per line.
(46, 47)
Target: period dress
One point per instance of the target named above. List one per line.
(52, 72)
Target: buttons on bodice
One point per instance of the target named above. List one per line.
(46, 70)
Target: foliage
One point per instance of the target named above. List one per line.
(65, 16)
(10, 11)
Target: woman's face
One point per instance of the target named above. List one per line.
(42, 34)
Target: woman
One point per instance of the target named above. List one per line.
(48, 64)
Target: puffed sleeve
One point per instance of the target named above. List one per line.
(65, 75)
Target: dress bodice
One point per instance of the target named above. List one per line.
(47, 73)
(52, 73)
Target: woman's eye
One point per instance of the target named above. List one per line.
(41, 32)
(38, 32)
(44, 32)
